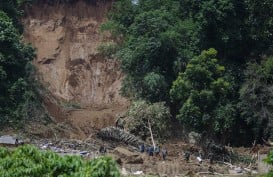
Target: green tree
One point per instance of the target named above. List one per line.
(202, 92)
(222, 25)
(156, 45)
(11, 8)
(15, 90)
(158, 38)
(145, 119)
(121, 17)
(260, 24)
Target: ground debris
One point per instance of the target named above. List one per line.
(119, 135)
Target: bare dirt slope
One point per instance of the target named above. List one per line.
(66, 37)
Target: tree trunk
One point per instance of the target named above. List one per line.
(151, 133)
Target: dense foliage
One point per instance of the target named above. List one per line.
(202, 92)
(256, 97)
(159, 44)
(10, 7)
(19, 99)
(28, 161)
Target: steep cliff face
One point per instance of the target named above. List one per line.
(66, 37)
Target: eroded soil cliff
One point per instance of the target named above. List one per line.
(66, 37)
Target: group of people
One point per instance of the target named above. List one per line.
(151, 151)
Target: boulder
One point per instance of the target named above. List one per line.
(128, 156)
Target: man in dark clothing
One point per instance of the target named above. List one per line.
(151, 151)
(16, 141)
(187, 156)
(164, 153)
(211, 157)
(157, 150)
(102, 150)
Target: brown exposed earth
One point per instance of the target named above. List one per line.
(83, 85)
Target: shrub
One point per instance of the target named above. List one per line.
(28, 161)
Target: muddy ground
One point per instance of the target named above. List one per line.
(133, 163)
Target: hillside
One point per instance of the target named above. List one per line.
(172, 88)
(66, 38)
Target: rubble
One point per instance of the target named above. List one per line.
(69, 147)
(135, 163)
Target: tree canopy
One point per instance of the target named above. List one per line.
(167, 50)
(256, 95)
(202, 91)
(159, 45)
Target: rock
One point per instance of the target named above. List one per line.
(128, 156)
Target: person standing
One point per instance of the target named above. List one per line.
(164, 153)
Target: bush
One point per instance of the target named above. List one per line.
(28, 161)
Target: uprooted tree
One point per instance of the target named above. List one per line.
(146, 119)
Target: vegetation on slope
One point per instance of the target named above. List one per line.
(19, 99)
(159, 44)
